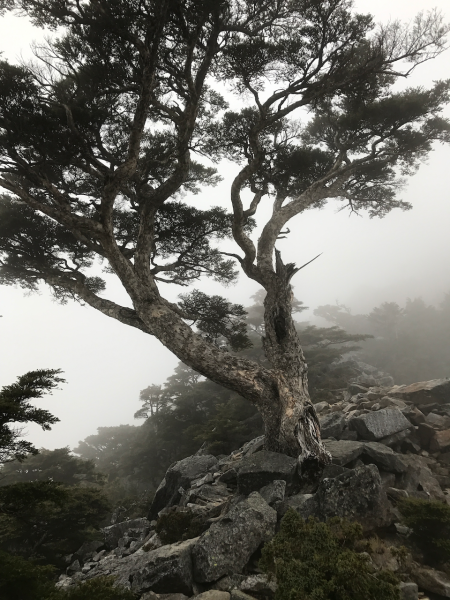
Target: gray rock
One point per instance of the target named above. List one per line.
(344, 452)
(239, 595)
(273, 492)
(408, 590)
(227, 546)
(357, 495)
(424, 392)
(89, 549)
(254, 445)
(304, 504)
(133, 528)
(321, 406)
(397, 438)
(419, 478)
(355, 388)
(229, 582)
(213, 595)
(432, 581)
(376, 425)
(384, 458)
(179, 476)
(260, 469)
(73, 568)
(259, 586)
(164, 571)
(332, 425)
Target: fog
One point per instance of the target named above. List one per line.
(364, 262)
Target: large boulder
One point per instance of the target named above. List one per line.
(344, 452)
(136, 528)
(424, 392)
(379, 424)
(356, 495)
(165, 571)
(229, 543)
(260, 469)
(332, 425)
(384, 457)
(179, 476)
(418, 480)
(432, 581)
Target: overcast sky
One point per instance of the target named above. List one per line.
(364, 262)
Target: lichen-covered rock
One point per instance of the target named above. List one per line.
(357, 495)
(227, 546)
(274, 492)
(165, 570)
(179, 476)
(262, 468)
(379, 424)
(133, 527)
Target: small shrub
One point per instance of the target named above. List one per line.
(20, 579)
(180, 525)
(317, 561)
(430, 522)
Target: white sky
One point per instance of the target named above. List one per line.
(364, 263)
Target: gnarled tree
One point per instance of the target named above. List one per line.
(98, 141)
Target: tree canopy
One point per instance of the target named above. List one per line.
(106, 139)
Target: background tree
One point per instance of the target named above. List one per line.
(97, 147)
(45, 520)
(410, 342)
(51, 465)
(15, 408)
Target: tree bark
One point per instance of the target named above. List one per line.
(291, 423)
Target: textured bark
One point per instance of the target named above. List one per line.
(291, 423)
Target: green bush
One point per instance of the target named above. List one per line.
(430, 522)
(180, 525)
(23, 580)
(101, 588)
(317, 561)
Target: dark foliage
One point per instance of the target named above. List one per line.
(20, 579)
(51, 465)
(179, 525)
(316, 561)
(45, 520)
(430, 522)
(15, 408)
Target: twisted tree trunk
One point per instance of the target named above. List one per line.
(291, 423)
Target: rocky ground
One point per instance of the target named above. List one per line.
(387, 443)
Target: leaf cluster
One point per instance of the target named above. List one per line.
(219, 321)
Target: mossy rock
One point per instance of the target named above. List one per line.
(179, 525)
